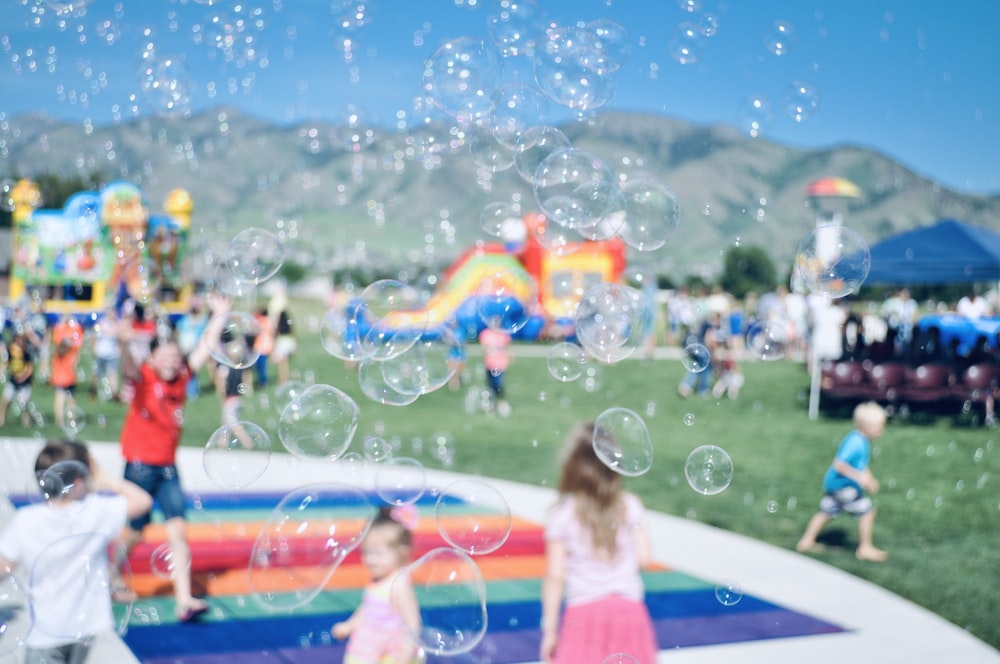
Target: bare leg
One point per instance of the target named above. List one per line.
(177, 538)
(59, 406)
(866, 550)
(813, 529)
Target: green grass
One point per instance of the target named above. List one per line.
(938, 510)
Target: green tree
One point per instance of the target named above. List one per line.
(747, 269)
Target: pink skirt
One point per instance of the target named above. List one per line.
(591, 632)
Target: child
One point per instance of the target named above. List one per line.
(595, 546)
(20, 372)
(496, 358)
(846, 482)
(67, 339)
(378, 632)
(67, 619)
(730, 378)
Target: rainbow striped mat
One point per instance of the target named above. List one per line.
(223, 527)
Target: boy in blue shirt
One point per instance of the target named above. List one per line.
(846, 483)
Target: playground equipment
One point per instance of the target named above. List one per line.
(100, 248)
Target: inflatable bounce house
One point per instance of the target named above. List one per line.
(99, 249)
(518, 277)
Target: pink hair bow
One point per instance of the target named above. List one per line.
(406, 516)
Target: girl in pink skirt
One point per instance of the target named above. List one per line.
(595, 545)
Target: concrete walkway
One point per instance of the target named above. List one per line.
(881, 627)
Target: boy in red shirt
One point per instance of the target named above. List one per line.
(149, 440)
(67, 339)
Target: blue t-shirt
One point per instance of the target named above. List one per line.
(855, 451)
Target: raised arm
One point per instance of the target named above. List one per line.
(219, 305)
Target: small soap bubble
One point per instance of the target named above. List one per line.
(729, 592)
(686, 43)
(400, 480)
(377, 449)
(473, 516)
(566, 361)
(651, 214)
(461, 78)
(696, 358)
(450, 593)
(709, 469)
(235, 346)
(767, 340)
(833, 261)
(780, 38)
(622, 443)
(534, 146)
(319, 424)
(801, 100)
(236, 455)
(74, 420)
(162, 562)
(689, 419)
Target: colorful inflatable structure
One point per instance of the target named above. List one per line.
(100, 248)
(523, 277)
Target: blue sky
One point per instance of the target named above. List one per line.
(914, 79)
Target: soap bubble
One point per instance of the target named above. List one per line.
(487, 151)
(568, 69)
(696, 358)
(287, 392)
(319, 424)
(461, 78)
(167, 84)
(686, 43)
(562, 295)
(516, 108)
(473, 516)
(557, 240)
(574, 188)
(801, 100)
(566, 361)
(494, 216)
(756, 116)
(74, 420)
(143, 279)
(729, 592)
(400, 481)
(611, 321)
(709, 469)
(377, 449)
(236, 455)
(74, 557)
(65, 480)
(450, 592)
(651, 214)
(391, 317)
(613, 46)
(621, 441)
(767, 340)
(534, 146)
(833, 261)
(375, 387)
(340, 333)
(255, 255)
(779, 38)
(506, 300)
(234, 346)
(426, 367)
(516, 27)
(303, 542)
(163, 564)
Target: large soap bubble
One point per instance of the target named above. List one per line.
(319, 423)
(235, 347)
(566, 361)
(621, 441)
(611, 321)
(450, 593)
(516, 27)
(340, 333)
(391, 317)
(567, 184)
(651, 214)
(516, 108)
(767, 340)
(427, 366)
(255, 255)
(473, 516)
(833, 261)
(506, 300)
(461, 78)
(304, 540)
(533, 146)
(143, 279)
(709, 469)
(568, 68)
(375, 386)
(400, 480)
(236, 455)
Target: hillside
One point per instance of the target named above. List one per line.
(354, 191)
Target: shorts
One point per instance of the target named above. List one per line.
(70, 390)
(19, 393)
(163, 484)
(284, 347)
(107, 365)
(849, 499)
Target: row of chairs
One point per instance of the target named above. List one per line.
(937, 387)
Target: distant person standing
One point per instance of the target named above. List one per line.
(20, 373)
(107, 355)
(496, 357)
(67, 339)
(284, 337)
(972, 306)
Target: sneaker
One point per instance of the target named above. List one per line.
(503, 409)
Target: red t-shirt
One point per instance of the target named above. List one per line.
(155, 418)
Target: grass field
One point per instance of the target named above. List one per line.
(939, 508)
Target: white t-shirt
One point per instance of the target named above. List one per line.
(64, 549)
(589, 577)
(970, 308)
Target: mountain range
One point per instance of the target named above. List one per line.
(345, 194)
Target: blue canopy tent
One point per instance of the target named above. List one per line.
(949, 252)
